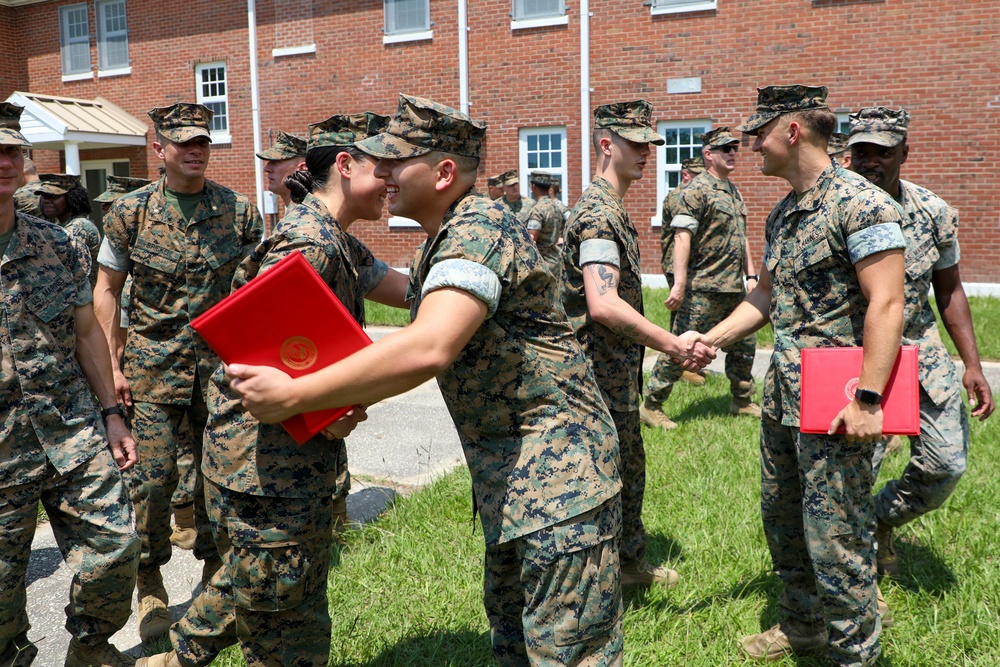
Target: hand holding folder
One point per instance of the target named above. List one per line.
(289, 319)
(830, 377)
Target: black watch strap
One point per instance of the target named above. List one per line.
(118, 409)
(868, 397)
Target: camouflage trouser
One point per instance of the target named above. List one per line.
(700, 311)
(160, 437)
(816, 502)
(632, 468)
(553, 597)
(92, 521)
(270, 594)
(187, 471)
(937, 461)
(343, 474)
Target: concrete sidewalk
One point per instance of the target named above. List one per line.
(406, 442)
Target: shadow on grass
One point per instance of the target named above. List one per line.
(455, 649)
(660, 549)
(764, 584)
(702, 409)
(922, 569)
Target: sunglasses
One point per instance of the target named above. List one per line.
(729, 148)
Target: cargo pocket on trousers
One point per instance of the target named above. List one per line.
(593, 605)
(271, 569)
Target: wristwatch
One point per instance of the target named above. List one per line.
(118, 409)
(753, 276)
(868, 397)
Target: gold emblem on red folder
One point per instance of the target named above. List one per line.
(299, 352)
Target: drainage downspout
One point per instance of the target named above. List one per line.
(463, 56)
(584, 94)
(255, 102)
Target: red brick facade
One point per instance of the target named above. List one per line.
(938, 60)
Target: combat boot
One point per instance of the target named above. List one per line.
(744, 406)
(785, 639)
(160, 660)
(886, 559)
(19, 652)
(208, 569)
(154, 619)
(883, 609)
(184, 531)
(697, 379)
(652, 415)
(641, 573)
(340, 520)
(101, 654)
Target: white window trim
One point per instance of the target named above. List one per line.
(524, 171)
(684, 7)
(218, 138)
(843, 117)
(293, 50)
(516, 24)
(82, 76)
(99, 29)
(399, 222)
(661, 162)
(119, 71)
(408, 37)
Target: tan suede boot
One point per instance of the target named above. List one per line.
(160, 660)
(652, 415)
(785, 639)
(101, 654)
(184, 531)
(154, 619)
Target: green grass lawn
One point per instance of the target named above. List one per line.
(407, 589)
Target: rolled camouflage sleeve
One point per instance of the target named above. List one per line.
(118, 234)
(876, 239)
(875, 225)
(80, 264)
(468, 276)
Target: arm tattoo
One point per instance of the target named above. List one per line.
(605, 278)
(629, 332)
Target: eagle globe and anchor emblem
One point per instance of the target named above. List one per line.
(299, 353)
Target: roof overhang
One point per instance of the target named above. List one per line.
(49, 122)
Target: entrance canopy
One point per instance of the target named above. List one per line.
(67, 124)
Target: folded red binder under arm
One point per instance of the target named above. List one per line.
(289, 319)
(830, 377)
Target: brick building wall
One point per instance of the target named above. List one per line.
(938, 60)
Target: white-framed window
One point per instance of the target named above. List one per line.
(679, 6)
(844, 122)
(537, 14)
(683, 141)
(74, 39)
(93, 173)
(407, 20)
(112, 35)
(542, 149)
(213, 93)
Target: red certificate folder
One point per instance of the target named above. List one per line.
(287, 318)
(830, 377)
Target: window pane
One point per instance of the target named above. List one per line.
(74, 39)
(112, 34)
(557, 159)
(407, 16)
(533, 142)
(220, 121)
(212, 93)
(534, 9)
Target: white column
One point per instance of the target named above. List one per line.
(463, 56)
(585, 118)
(255, 101)
(72, 149)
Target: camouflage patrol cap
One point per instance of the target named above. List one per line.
(540, 178)
(285, 147)
(629, 120)
(421, 126)
(494, 181)
(182, 122)
(509, 177)
(695, 165)
(120, 185)
(878, 125)
(837, 144)
(346, 130)
(57, 184)
(720, 136)
(10, 125)
(773, 101)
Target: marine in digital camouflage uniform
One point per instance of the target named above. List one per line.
(270, 499)
(512, 199)
(494, 186)
(838, 150)
(286, 155)
(539, 442)
(54, 449)
(544, 222)
(602, 250)
(25, 199)
(181, 239)
(64, 200)
(711, 255)
(938, 456)
(833, 276)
